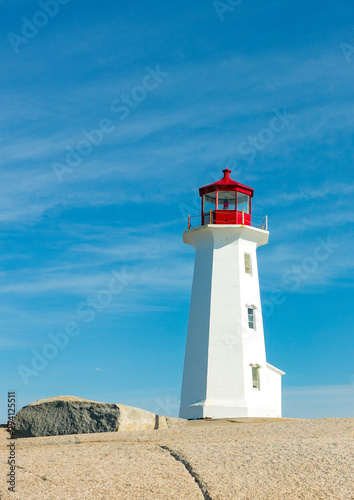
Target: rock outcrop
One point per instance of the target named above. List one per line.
(71, 415)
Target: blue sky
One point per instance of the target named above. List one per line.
(198, 91)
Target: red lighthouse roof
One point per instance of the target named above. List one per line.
(226, 183)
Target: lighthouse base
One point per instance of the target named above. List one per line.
(226, 410)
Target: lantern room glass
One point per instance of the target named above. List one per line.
(226, 200)
(209, 201)
(243, 202)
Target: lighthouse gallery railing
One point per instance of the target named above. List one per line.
(208, 217)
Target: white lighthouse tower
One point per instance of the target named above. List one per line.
(225, 369)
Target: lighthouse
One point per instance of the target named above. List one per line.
(225, 372)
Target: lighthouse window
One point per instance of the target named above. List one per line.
(209, 201)
(226, 200)
(251, 318)
(243, 202)
(255, 378)
(248, 263)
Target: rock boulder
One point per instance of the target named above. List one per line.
(72, 415)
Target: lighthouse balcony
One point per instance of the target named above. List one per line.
(228, 217)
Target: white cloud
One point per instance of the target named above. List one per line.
(9, 343)
(309, 193)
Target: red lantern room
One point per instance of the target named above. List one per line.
(226, 202)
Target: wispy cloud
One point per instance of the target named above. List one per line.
(319, 401)
(310, 193)
(147, 143)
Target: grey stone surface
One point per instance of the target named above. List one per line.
(174, 422)
(57, 417)
(71, 415)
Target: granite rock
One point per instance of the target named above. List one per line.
(71, 415)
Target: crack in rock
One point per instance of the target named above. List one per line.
(35, 475)
(189, 468)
